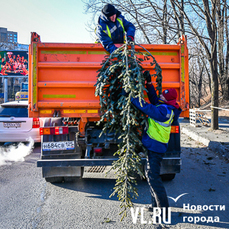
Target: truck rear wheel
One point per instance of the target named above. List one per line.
(73, 179)
(168, 177)
(54, 179)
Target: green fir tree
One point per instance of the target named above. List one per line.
(120, 78)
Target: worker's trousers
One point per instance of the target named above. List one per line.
(157, 189)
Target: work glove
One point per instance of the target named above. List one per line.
(147, 76)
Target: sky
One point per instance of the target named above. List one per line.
(53, 20)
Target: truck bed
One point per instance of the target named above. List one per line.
(62, 77)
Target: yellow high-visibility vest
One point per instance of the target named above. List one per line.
(108, 32)
(160, 131)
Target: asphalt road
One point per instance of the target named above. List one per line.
(27, 201)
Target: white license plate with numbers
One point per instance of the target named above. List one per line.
(49, 146)
(12, 124)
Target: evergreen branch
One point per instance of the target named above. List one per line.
(119, 79)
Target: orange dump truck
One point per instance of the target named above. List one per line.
(61, 90)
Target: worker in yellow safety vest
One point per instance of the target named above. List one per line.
(112, 27)
(161, 113)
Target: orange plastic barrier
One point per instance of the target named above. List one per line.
(62, 76)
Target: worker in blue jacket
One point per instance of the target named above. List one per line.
(161, 113)
(112, 27)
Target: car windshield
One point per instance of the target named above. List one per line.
(24, 87)
(16, 111)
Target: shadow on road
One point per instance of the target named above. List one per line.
(102, 188)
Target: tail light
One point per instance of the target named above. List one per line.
(175, 129)
(98, 150)
(58, 130)
(36, 123)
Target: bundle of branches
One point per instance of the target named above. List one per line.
(120, 78)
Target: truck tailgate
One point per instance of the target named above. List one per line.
(62, 77)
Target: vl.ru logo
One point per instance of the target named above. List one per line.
(160, 214)
(176, 199)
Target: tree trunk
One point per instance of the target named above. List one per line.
(227, 89)
(227, 53)
(200, 83)
(214, 91)
(165, 23)
(182, 18)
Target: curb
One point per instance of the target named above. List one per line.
(217, 147)
(195, 136)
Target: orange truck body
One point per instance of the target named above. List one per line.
(62, 77)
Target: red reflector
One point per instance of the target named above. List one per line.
(36, 123)
(41, 131)
(97, 150)
(175, 129)
(52, 130)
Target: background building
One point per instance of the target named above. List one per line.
(9, 41)
(12, 36)
(7, 36)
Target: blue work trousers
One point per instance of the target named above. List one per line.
(157, 189)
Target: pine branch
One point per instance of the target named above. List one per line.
(119, 79)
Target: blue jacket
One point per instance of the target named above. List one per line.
(116, 29)
(158, 113)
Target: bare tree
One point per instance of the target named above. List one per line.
(199, 77)
(204, 21)
(213, 16)
(154, 20)
(7, 46)
(222, 25)
(227, 50)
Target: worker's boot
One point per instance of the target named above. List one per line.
(149, 207)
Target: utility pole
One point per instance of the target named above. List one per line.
(5, 89)
(182, 18)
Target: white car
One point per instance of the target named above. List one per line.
(15, 126)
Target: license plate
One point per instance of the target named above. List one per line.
(49, 146)
(12, 124)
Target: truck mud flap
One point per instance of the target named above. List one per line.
(170, 165)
